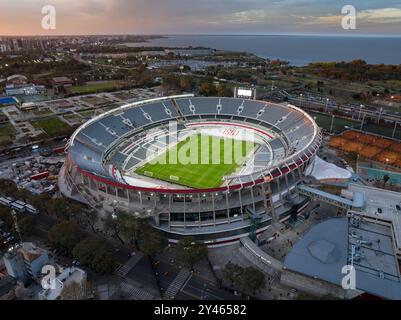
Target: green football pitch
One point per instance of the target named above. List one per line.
(199, 161)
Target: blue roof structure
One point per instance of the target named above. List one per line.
(7, 100)
(325, 250)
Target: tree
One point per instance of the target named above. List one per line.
(104, 262)
(130, 227)
(222, 90)
(232, 272)
(77, 291)
(171, 82)
(152, 242)
(252, 279)
(26, 225)
(96, 253)
(190, 251)
(60, 207)
(206, 88)
(6, 218)
(145, 79)
(247, 279)
(137, 232)
(41, 201)
(186, 83)
(86, 217)
(65, 236)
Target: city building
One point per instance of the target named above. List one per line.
(66, 277)
(317, 261)
(24, 262)
(15, 266)
(367, 239)
(7, 288)
(21, 89)
(61, 83)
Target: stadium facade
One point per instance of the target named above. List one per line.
(104, 153)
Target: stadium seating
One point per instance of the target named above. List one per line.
(124, 129)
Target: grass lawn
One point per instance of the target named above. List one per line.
(339, 124)
(87, 114)
(7, 130)
(207, 167)
(95, 87)
(42, 112)
(7, 133)
(52, 126)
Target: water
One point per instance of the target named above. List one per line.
(297, 49)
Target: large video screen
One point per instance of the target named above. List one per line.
(244, 93)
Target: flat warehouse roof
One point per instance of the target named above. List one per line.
(385, 200)
(327, 248)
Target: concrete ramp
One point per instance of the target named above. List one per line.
(259, 258)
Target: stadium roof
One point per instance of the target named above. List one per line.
(325, 250)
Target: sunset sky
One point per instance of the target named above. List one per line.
(23, 17)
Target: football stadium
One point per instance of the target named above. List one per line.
(213, 168)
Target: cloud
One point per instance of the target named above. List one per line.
(369, 16)
(196, 16)
(383, 15)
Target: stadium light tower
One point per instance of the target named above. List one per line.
(332, 123)
(363, 120)
(395, 128)
(360, 111)
(327, 104)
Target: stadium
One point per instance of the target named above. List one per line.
(213, 168)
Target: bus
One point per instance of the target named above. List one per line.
(18, 205)
(6, 201)
(31, 209)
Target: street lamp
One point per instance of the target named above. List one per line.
(360, 111)
(327, 104)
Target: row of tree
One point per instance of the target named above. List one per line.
(357, 70)
(95, 252)
(91, 251)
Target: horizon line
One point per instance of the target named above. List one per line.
(212, 34)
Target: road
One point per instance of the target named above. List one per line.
(198, 288)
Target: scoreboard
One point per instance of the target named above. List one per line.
(245, 93)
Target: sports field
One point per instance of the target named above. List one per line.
(199, 161)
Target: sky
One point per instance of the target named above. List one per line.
(23, 17)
